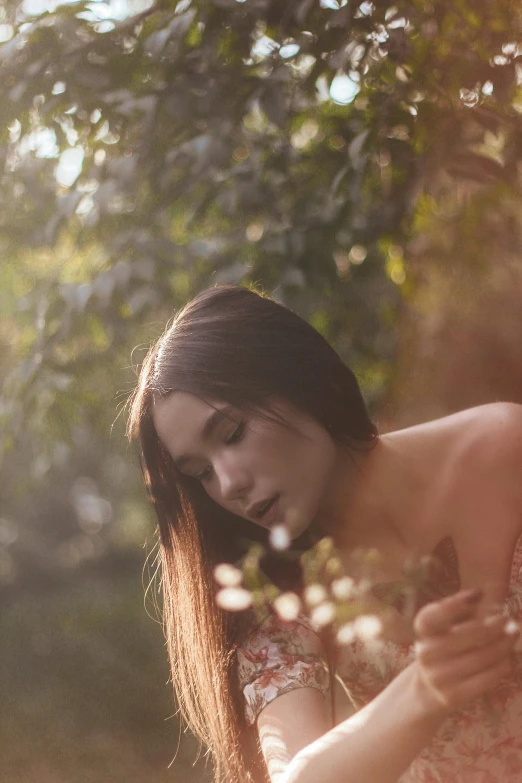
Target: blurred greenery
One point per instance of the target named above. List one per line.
(76, 704)
(361, 161)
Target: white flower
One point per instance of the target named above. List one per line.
(344, 588)
(287, 606)
(279, 538)
(367, 627)
(322, 614)
(315, 594)
(234, 599)
(346, 634)
(228, 575)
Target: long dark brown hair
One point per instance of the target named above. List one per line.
(237, 346)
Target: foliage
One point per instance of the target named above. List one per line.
(216, 141)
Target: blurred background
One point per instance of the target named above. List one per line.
(361, 162)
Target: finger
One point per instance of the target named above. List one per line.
(462, 638)
(470, 664)
(478, 684)
(438, 617)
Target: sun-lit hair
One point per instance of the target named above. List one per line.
(233, 345)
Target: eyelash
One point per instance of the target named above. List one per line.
(238, 433)
(235, 437)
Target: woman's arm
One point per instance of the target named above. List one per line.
(376, 744)
(459, 658)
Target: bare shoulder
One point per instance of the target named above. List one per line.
(489, 472)
(470, 468)
(495, 418)
(482, 420)
(485, 433)
(480, 450)
(494, 435)
(486, 442)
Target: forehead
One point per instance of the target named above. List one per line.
(179, 419)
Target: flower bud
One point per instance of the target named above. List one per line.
(234, 599)
(287, 606)
(367, 627)
(228, 575)
(279, 538)
(346, 634)
(315, 594)
(323, 614)
(343, 589)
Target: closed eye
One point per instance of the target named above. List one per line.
(237, 434)
(234, 437)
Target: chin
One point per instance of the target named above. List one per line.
(299, 528)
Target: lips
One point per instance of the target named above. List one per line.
(265, 510)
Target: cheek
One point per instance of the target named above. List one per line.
(300, 459)
(314, 466)
(273, 448)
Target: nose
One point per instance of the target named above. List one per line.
(233, 477)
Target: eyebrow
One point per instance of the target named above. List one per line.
(208, 430)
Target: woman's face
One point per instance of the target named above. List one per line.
(265, 472)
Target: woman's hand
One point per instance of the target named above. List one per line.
(460, 654)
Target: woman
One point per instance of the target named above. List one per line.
(248, 419)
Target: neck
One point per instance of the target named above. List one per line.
(373, 494)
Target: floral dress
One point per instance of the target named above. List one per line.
(479, 744)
